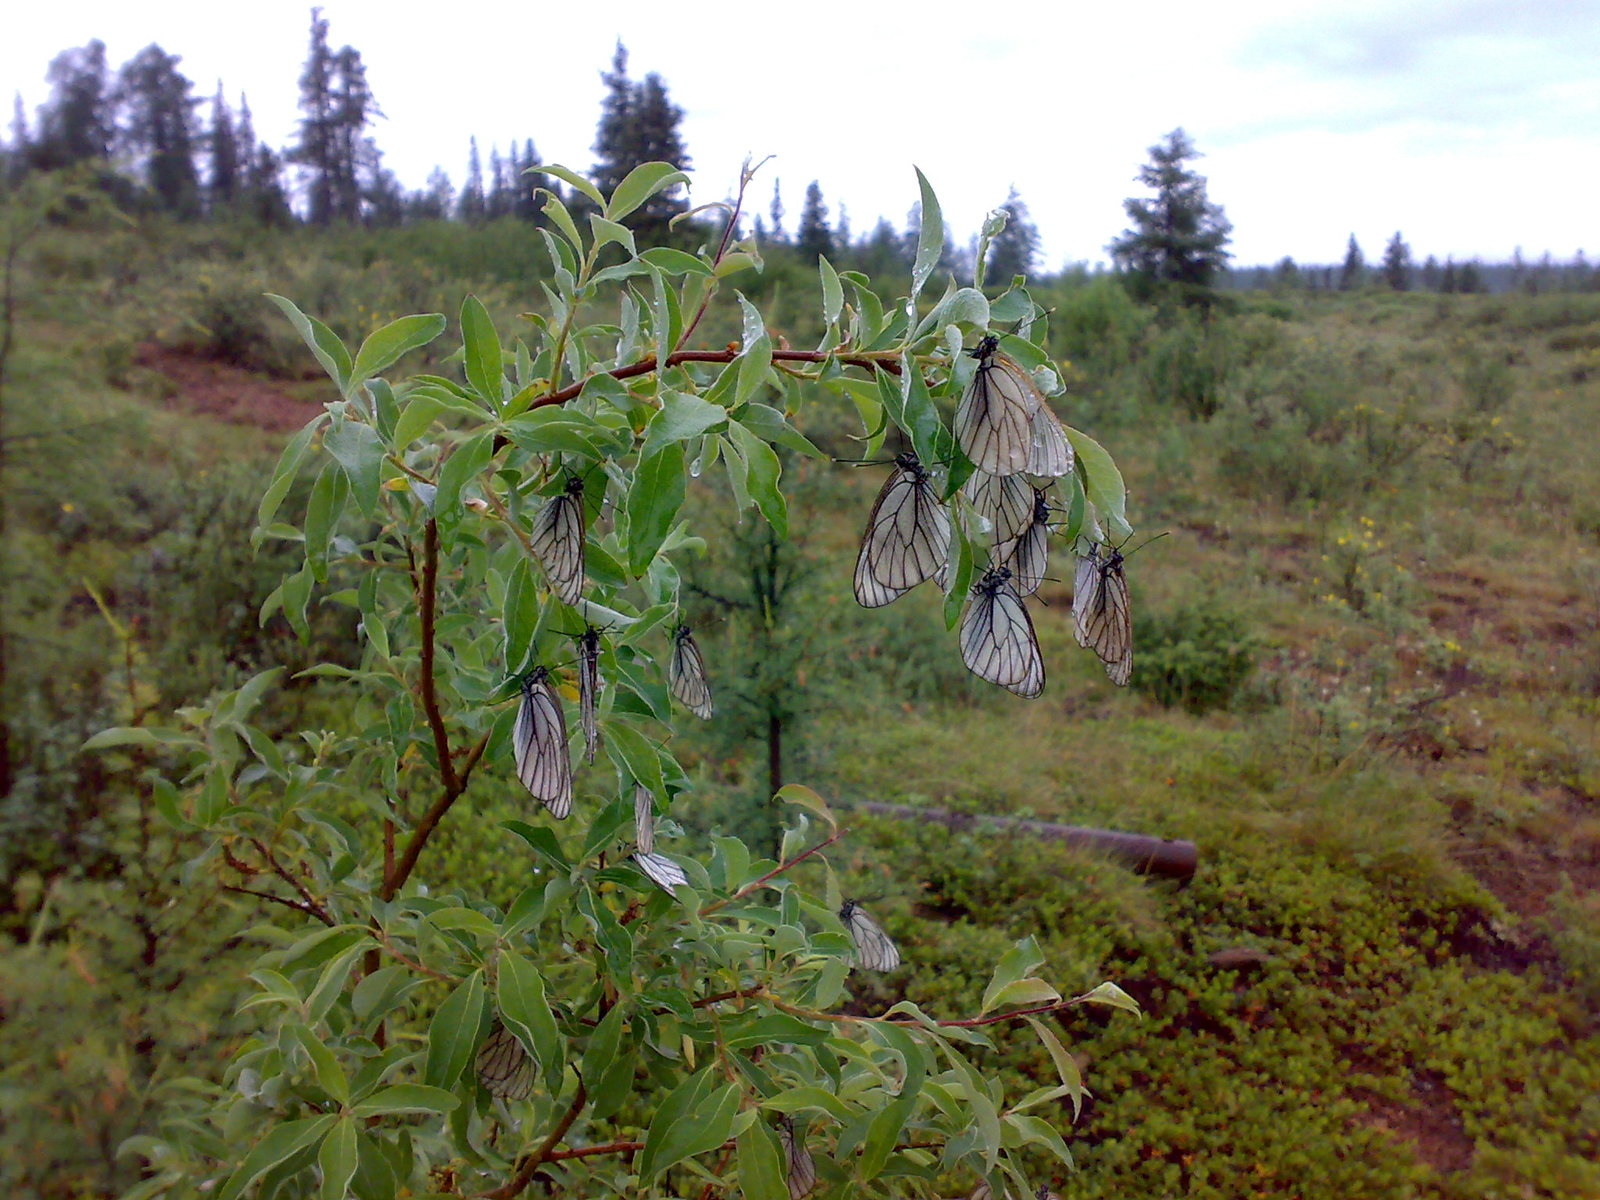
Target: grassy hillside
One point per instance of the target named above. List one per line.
(1385, 978)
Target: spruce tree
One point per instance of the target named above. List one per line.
(339, 161)
(639, 124)
(472, 204)
(1397, 264)
(813, 239)
(1178, 238)
(222, 183)
(76, 124)
(775, 211)
(1353, 274)
(156, 130)
(1430, 274)
(1015, 249)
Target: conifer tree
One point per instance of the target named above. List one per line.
(1015, 249)
(1353, 274)
(527, 204)
(775, 212)
(1397, 264)
(77, 123)
(813, 238)
(472, 204)
(639, 124)
(222, 183)
(156, 130)
(1178, 238)
(1430, 274)
(339, 161)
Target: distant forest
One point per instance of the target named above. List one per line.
(142, 135)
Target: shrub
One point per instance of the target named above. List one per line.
(1195, 658)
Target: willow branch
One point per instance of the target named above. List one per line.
(545, 1153)
(589, 1151)
(888, 360)
(283, 900)
(294, 881)
(777, 870)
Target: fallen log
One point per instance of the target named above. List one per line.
(1169, 858)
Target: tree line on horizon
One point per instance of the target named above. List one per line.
(138, 131)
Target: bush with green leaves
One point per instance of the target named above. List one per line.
(701, 1037)
(1196, 657)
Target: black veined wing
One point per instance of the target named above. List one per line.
(1049, 451)
(994, 422)
(801, 1171)
(557, 540)
(644, 818)
(997, 638)
(504, 1068)
(589, 689)
(1027, 554)
(686, 674)
(539, 740)
(660, 869)
(1005, 502)
(875, 951)
(1102, 617)
(907, 538)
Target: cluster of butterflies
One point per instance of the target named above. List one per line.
(1005, 426)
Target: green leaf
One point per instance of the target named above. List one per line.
(1066, 1065)
(280, 1144)
(960, 580)
(485, 370)
(521, 617)
(324, 343)
(769, 425)
(882, 1134)
(802, 1098)
(464, 465)
(762, 472)
(407, 1098)
(567, 175)
(283, 474)
(557, 212)
(1033, 1130)
(1110, 994)
(330, 1077)
(519, 989)
(1021, 991)
(337, 1160)
(543, 841)
(359, 450)
(798, 793)
(1102, 481)
(454, 1032)
(654, 497)
(386, 346)
(323, 510)
(127, 735)
(606, 232)
(919, 417)
(691, 1121)
(681, 416)
(641, 183)
(675, 262)
(603, 1043)
(930, 236)
(756, 359)
(832, 293)
(762, 1172)
(1023, 958)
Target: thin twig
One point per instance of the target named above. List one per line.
(530, 1165)
(777, 870)
(293, 881)
(588, 1151)
(887, 360)
(283, 900)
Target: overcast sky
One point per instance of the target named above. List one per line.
(1471, 126)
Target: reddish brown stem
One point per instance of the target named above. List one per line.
(886, 360)
(777, 870)
(589, 1151)
(530, 1165)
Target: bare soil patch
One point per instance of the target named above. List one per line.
(225, 392)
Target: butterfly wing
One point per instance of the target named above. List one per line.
(1105, 624)
(994, 422)
(1027, 555)
(661, 870)
(557, 541)
(1085, 593)
(644, 818)
(504, 1068)
(686, 674)
(997, 638)
(1004, 501)
(1049, 452)
(801, 1169)
(539, 740)
(907, 538)
(875, 950)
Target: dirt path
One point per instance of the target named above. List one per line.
(226, 392)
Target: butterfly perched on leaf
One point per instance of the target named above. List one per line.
(1101, 615)
(907, 538)
(557, 541)
(661, 870)
(686, 674)
(875, 950)
(995, 420)
(1027, 554)
(997, 638)
(539, 742)
(504, 1067)
(589, 689)
(800, 1171)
